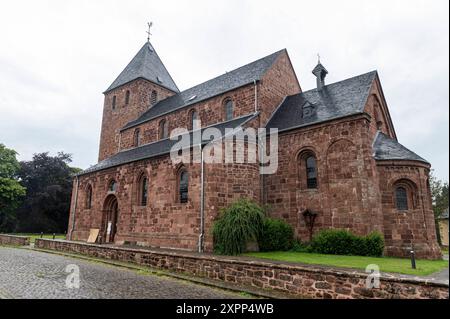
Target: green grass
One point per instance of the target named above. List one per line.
(386, 264)
(444, 251)
(34, 236)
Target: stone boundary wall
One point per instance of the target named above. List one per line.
(14, 240)
(298, 280)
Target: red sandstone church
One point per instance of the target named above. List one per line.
(338, 157)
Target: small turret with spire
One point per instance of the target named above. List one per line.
(320, 72)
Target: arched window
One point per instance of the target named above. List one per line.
(137, 137)
(143, 190)
(401, 198)
(194, 120)
(153, 98)
(89, 197)
(163, 129)
(127, 97)
(112, 186)
(229, 112)
(307, 170)
(114, 102)
(183, 186)
(311, 172)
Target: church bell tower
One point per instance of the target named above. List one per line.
(142, 83)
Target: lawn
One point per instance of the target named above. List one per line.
(48, 236)
(386, 264)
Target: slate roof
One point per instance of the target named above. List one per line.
(221, 84)
(386, 148)
(147, 65)
(333, 101)
(158, 148)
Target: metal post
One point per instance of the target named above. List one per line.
(413, 259)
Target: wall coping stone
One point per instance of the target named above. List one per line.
(14, 236)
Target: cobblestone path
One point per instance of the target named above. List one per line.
(26, 273)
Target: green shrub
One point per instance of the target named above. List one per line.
(237, 224)
(343, 242)
(300, 247)
(277, 235)
(374, 243)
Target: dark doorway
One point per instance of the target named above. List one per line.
(110, 214)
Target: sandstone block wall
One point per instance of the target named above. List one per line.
(297, 280)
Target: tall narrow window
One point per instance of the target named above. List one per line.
(163, 129)
(183, 186)
(127, 97)
(143, 191)
(114, 102)
(137, 138)
(112, 186)
(229, 113)
(194, 120)
(311, 172)
(153, 98)
(401, 198)
(89, 197)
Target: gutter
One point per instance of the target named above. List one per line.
(74, 208)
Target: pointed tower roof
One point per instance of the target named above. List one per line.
(147, 65)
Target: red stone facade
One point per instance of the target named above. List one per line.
(114, 118)
(354, 191)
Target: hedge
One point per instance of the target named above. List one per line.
(277, 235)
(343, 242)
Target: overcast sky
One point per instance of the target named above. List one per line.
(57, 57)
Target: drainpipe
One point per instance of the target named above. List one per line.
(202, 202)
(256, 96)
(74, 208)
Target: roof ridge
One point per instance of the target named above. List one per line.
(236, 69)
(341, 81)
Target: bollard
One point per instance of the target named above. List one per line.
(53, 235)
(413, 259)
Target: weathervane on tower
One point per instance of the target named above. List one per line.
(150, 24)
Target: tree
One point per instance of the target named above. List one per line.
(11, 191)
(439, 194)
(439, 197)
(49, 186)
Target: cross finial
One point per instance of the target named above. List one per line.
(150, 24)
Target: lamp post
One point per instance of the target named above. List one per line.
(309, 217)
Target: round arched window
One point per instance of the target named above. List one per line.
(112, 186)
(229, 110)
